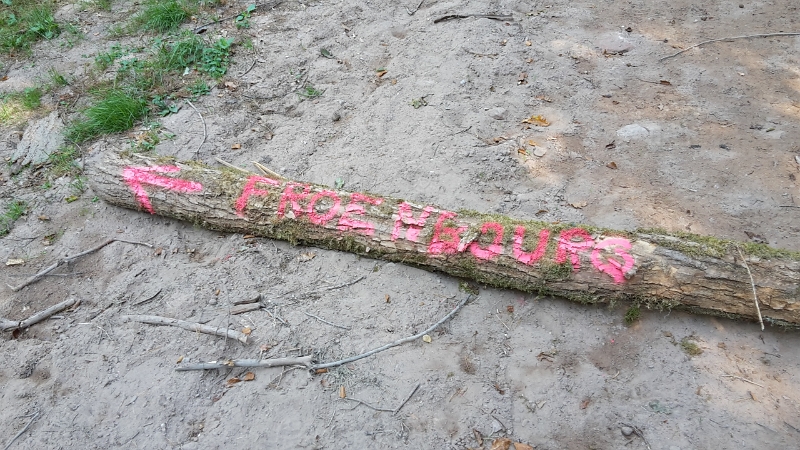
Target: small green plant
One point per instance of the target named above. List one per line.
(215, 58)
(24, 23)
(31, 98)
(104, 60)
(13, 211)
(690, 347)
(186, 52)
(161, 16)
(164, 108)
(243, 19)
(632, 314)
(467, 287)
(78, 185)
(64, 162)
(56, 78)
(310, 92)
(115, 111)
(198, 89)
(248, 44)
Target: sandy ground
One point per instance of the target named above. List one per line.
(706, 141)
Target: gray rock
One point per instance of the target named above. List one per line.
(40, 139)
(626, 431)
(498, 113)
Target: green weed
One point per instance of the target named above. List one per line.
(24, 23)
(690, 347)
(215, 58)
(310, 92)
(632, 315)
(199, 88)
(161, 16)
(56, 78)
(243, 19)
(115, 111)
(13, 211)
(31, 98)
(64, 162)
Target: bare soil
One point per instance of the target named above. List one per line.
(706, 141)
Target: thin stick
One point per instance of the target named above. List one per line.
(325, 321)
(205, 132)
(68, 260)
(275, 362)
(753, 285)
(251, 68)
(9, 325)
(368, 405)
(271, 5)
(191, 326)
(411, 13)
(35, 416)
(395, 343)
(396, 410)
(727, 39)
(266, 171)
(478, 16)
(743, 379)
(231, 166)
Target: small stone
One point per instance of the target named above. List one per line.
(539, 152)
(336, 116)
(498, 113)
(626, 431)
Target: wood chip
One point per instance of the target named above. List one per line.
(241, 309)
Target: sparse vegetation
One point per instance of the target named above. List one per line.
(632, 315)
(25, 22)
(64, 162)
(115, 111)
(12, 212)
(690, 347)
(161, 16)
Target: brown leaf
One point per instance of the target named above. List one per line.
(522, 78)
(578, 205)
(233, 381)
(612, 145)
(381, 73)
(521, 446)
(159, 250)
(388, 299)
(541, 211)
(342, 393)
(319, 371)
(236, 146)
(539, 121)
(665, 83)
(501, 444)
(308, 256)
(544, 98)
(231, 85)
(246, 331)
(249, 376)
(510, 308)
(478, 437)
(248, 236)
(43, 218)
(611, 165)
(180, 360)
(585, 403)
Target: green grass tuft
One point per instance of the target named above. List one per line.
(632, 315)
(31, 98)
(13, 211)
(116, 111)
(24, 23)
(64, 162)
(161, 16)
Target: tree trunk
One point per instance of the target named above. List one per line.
(582, 263)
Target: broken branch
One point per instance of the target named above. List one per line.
(275, 362)
(10, 325)
(190, 326)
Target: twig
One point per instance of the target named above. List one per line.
(266, 171)
(325, 321)
(479, 16)
(68, 260)
(753, 285)
(743, 379)
(395, 343)
(788, 206)
(270, 5)
(191, 326)
(9, 325)
(637, 432)
(276, 317)
(35, 416)
(411, 13)
(339, 286)
(251, 68)
(367, 405)
(396, 410)
(275, 362)
(727, 39)
(205, 132)
(231, 166)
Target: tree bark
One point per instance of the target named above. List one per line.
(652, 268)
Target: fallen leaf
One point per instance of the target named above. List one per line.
(231, 85)
(342, 393)
(522, 151)
(501, 444)
(249, 376)
(544, 98)
(611, 165)
(427, 339)
(578, 205)
(319, 371)
(612, 145)
(665, 83)
(4, 79)
(233, 381)
(585, 403)
(541, 211)
(510, 308)
(159, 250)
(521, 446)
(381, 73)
(71, 198)
(532, 143)
(308, 256)
(529, 60)
(326, 53)
(15, 262)
(324, 383)
(478, 437)
(246, 331)
(180, 360)
(43, 218)
(236, 146)
(615, 102)
(248, 236)
(539, 121)
(528, 43)
(388, 300)
(215, 292)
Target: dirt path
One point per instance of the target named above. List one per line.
(704, 142)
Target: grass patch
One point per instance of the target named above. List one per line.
(161, 16)
(13, 107)
(690, 347)
(25, 22)
(64, 162)
(57, 79)
(114, 112)
(31, 98)
(13, 211)
(632, 315)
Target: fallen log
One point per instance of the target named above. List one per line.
(587, 264)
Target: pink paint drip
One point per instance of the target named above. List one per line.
(529, 257)
(347, 222)
(322, 219)
(493, 249)
(135, 177)
(566, 245)
(612, 266)
(405, 219)
(250, 190)
(293, 198)
(446, 240)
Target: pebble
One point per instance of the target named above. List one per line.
(626, 431)
(498, 113)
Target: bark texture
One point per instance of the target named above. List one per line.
(582, 263)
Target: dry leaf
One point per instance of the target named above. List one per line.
(180, 360)
(248, 236)
(236, 146)
(522, 78)
(388, 298)
(478, 437)
(43, 218)
(611, 165)
(382, 73)
(217, 291)
(324, 383)
(231, 85)
(510, 308)
(578, 205)
(427, 339)
(307, 256)
(319, 371)
(501, 444)
(249, 376)
(233, 381)
(539, 121)
(541, 211)
(159, 250)
(528, 43)
(246, 331)
(585, 403)
(665, 83)
(15, 262)
(522, 151)
(544, 98)
(612, 145)
(521, 446)
(342, 393)
(532, 143)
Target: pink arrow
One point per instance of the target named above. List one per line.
(135, 177)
